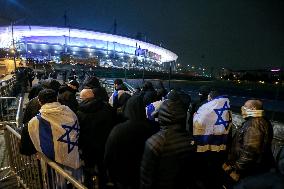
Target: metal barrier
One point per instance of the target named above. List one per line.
(6, 86)
(33, 172)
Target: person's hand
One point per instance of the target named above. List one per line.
(235, 176)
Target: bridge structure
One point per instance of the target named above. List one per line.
(37, 171)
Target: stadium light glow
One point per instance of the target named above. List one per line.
(275, 70)
(40, 31)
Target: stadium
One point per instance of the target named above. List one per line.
(52, 43)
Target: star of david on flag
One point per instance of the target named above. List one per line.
(220, 112)
(65, 138)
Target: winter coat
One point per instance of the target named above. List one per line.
(67, 97)
(96, 119)
(251, 148)
(167, 155)
(125, 144)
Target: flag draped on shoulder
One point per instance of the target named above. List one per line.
(152, 109)
(114, 98)
(211, 125)
(54, 132)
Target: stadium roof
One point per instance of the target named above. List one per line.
(32, 31)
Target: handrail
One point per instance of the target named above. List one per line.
(19, 112)
(129, 87)
(62, 172)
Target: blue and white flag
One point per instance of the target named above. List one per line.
(211, 125)
(113, 100)
(152, 109)
(54, 132)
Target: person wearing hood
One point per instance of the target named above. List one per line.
(96, 118)
(67, 95)
(168, 153)
(149, 93)
(125, 145)
(161, 91)
(250, 153)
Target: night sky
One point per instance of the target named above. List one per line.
(237, 34)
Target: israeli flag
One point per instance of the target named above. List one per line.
(54, 132)
(113, 100)
(152, 109)
(211, 125)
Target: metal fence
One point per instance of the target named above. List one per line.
(33, 172)
(6, 86)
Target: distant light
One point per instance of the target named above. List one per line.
(203, 69)
(275, 70)
(55, 51)
(261, 82)
(90, 54)
(29, 52)
(40, 51)
(192, 67)
(276, 82)
(74, 52)
(7, 54)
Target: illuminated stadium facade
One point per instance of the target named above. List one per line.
(50, 43)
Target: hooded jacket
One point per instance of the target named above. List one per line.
(167, 154)
(125, 144)
(96, 119)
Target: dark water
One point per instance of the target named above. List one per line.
(272, 96)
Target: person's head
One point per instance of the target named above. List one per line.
(100, 94)
(54, 85)
(86, 94)
(203, 92)
(117, 83)
(92, 82)
(47, 96)
(147, 86)
(135, 109)
(73, 84)
(253, 104)
(213, 94)
(172, 111)
(252, 108)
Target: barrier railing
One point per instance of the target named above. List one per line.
(6, 86)
(36, 171)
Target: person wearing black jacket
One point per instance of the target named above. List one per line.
(67, 95)
(149, 93)
(96, 118)
(125, 145)
(168, 154)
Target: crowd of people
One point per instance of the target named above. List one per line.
(149, 138)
